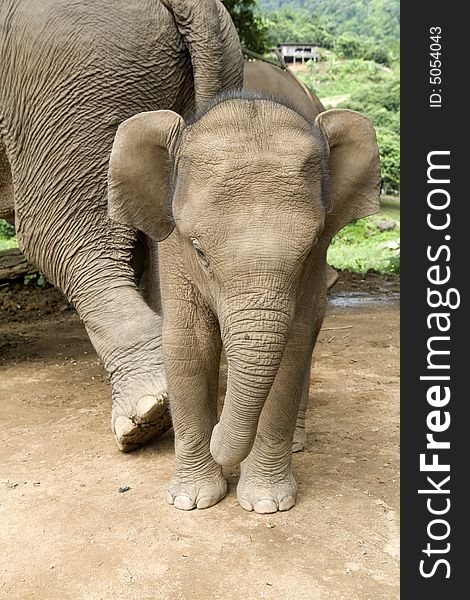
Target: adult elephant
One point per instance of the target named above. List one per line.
(70, 73)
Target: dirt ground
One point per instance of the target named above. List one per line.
(67, 532)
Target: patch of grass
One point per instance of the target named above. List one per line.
(7, 236)
(9, 243)
(336, 76)
(363, 246)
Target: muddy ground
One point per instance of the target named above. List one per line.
(67, 532)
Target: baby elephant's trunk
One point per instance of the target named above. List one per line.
(254, 343)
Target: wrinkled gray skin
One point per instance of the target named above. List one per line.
(282, 83)
(240, 202)
(70, 73)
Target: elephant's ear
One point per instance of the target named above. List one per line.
(354, 167)
(139, 173)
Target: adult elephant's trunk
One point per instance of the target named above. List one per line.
(212, 40)
(254, 343)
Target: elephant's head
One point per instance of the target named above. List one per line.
(249, 188)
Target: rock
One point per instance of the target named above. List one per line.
(386, 225)
(391, 245)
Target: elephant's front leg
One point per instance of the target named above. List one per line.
(191, 344)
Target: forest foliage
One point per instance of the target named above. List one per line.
(252, 28)
(358, 28)
(378, 19)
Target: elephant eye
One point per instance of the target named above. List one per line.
(200, 252)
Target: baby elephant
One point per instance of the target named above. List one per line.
(244, 201)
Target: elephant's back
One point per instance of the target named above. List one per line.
(269, 79)
(106, 60)
(75, 71)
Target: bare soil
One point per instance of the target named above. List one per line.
(68, 532)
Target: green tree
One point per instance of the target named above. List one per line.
(291, 25)
(251, 27)
(378, 54)
(380, 102)
(348, 45)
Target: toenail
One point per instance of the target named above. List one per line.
(145, 405)
(122, 427)
(287, 503)
(206, 502)
(265, 506)
(246, 505)
(184, 503)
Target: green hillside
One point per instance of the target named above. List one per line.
(378, 19)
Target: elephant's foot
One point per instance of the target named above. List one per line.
(140, 412)
(150, 420)
(300, 438)
(186, 492)
(266, 494)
